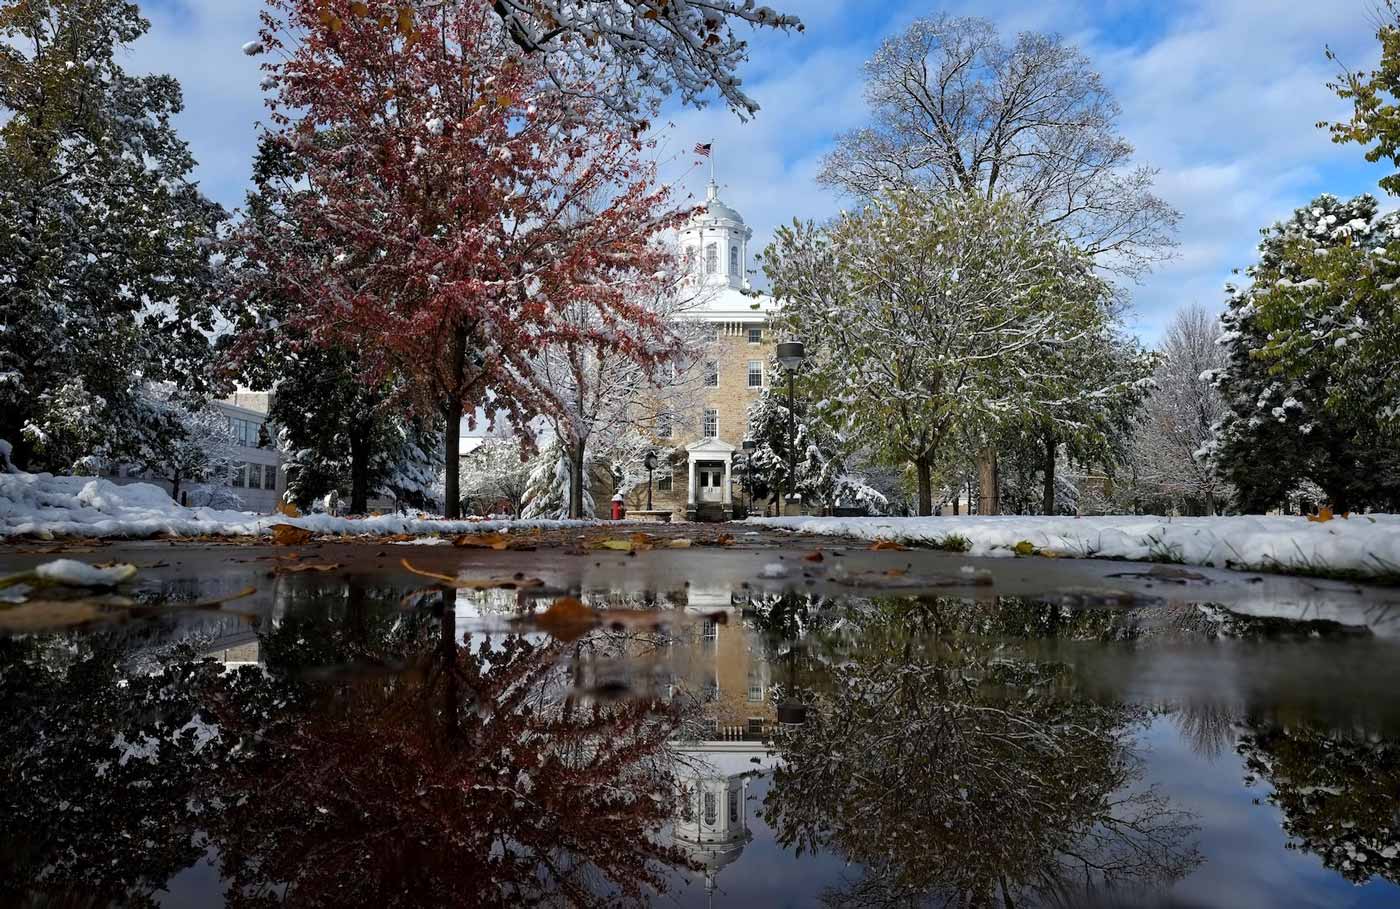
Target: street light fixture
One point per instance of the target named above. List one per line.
(650, 463)
(790, 355)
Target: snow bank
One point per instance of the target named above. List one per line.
(1367, 544)
(46, 506)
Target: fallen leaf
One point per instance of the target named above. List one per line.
(1024, 548)
(725, 539)
(619, 545)
(1324, 514)
(48, 615)
(889, 544)
(309, 566)
(814, 556)
(290, 535)
(567, 618)
(483, 541)
(518, 582)
(1173, 573)
(679, 544)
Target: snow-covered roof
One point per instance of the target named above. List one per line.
(722, 303)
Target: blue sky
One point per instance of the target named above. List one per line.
(1221, 96)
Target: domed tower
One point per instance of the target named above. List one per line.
(713, 825)
(716, 242)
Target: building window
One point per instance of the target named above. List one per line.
(711, 259)
(255, 476)
(711, 333)
(709, 423)
(733, 260)
(756, 724)
(245, 432)
(270, 476)
(755, 373)
(755, 336)
(709, 631)
(240, 475)
(663, 426)
(755, 688)
(687, 811)
(663, 483)
(734, 806)
(711, 373)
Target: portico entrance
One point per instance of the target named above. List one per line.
(710, 473)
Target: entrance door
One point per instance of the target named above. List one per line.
(711, 480)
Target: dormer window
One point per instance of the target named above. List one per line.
(711, 259)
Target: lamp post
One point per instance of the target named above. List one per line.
(650, 463)
(749, 446)
(790, 355)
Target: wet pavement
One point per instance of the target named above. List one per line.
(740, 719)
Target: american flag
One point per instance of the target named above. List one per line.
(703, 150)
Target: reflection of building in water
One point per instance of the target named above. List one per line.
(726, 669)
(712, 824)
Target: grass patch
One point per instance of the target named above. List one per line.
(953, 542)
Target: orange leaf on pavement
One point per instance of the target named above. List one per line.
(290, 535)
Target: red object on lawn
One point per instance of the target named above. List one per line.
(617, 511)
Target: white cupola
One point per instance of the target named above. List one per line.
(716, 243)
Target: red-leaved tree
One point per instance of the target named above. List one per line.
(461, 200)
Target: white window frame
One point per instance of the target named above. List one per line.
(758, 372)
(711, 258)
(711, 373)
(733, 260)
(664, 482)
(755, 335)
(709, 423)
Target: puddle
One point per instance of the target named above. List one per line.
(709, 738)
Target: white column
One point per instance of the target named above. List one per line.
(727, 498)
(690, 485)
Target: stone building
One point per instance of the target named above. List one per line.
(706, 478)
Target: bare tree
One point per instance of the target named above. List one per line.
(604, 403)
(1172, 445)
(954, 109)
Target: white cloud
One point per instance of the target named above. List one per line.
(1221, 96)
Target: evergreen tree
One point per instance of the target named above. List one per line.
(105, 243)
(343, 428)
(195, 445)
(799, 454)
(1311, 387)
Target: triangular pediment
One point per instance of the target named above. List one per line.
(710, 446)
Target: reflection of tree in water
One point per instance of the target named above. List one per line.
(1339, 794)
(957, 774)
(102, 769)
(416, 770)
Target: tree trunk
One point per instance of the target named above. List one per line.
(576, 481)
(924, 469)
(359, 473)
(989, 498)
(452, 410)
(175, 486)
(452, 484)
(447, 650)
(1049, 505)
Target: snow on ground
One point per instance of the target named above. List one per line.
(1367, 544)
(45, 506)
